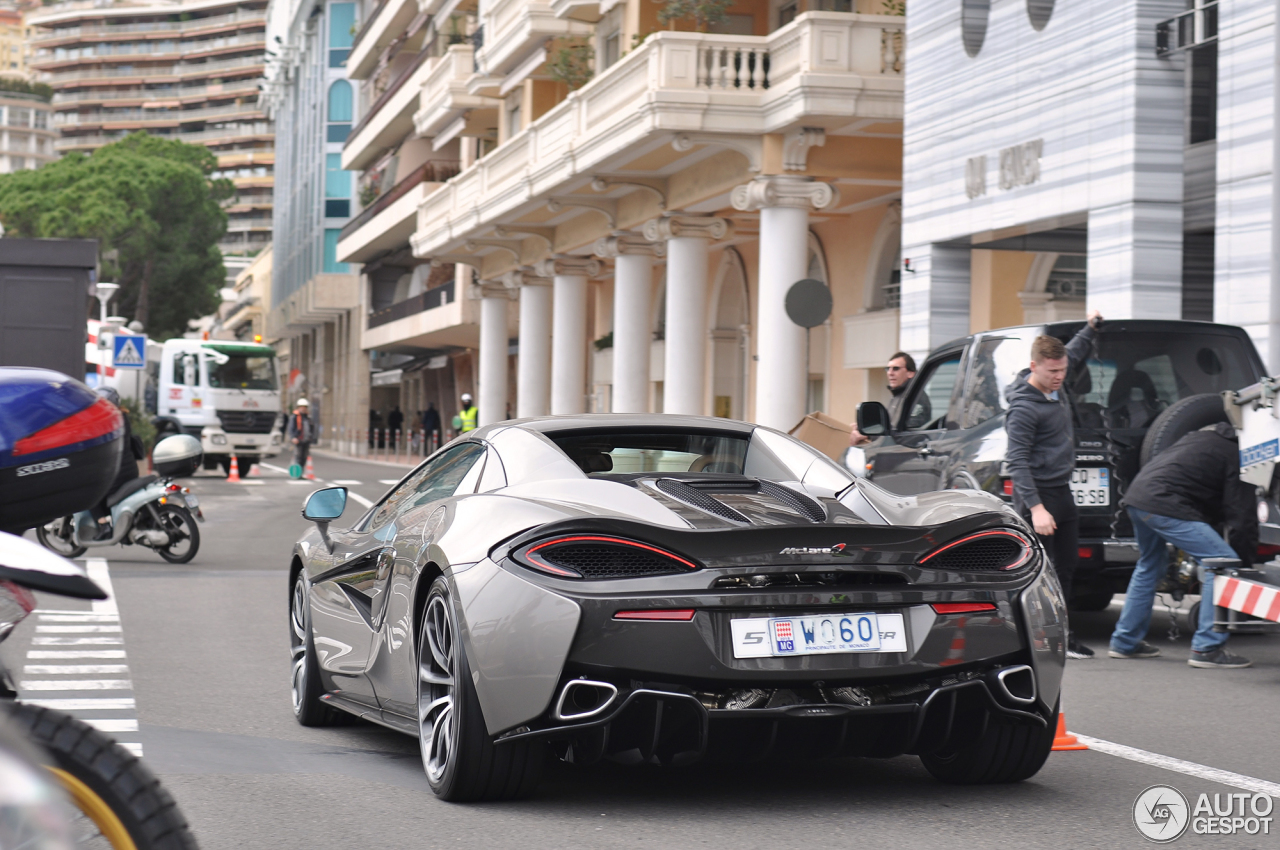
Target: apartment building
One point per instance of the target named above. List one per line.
(315, 311)
(26, 126)
(185, 70)
(636, 193)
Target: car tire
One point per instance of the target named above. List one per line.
(462, 762)
(1179, 419)
(119, 800)
(305, 686)
(1008, 750)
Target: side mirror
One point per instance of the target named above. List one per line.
(873, 419)
(323, 507)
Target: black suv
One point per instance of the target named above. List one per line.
(950, 432)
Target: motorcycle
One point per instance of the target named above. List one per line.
(150, 511)
(64, 784)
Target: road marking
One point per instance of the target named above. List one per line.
(346, 482)
(96, 627)
(250, 482)
(76, 641)
(1190, 768)
(85, 704)
(75, 685)
(73, 669)
(388, 480)
(273, 467)
(304, 482)
(49, 654)
(107, 724)
(361, 499)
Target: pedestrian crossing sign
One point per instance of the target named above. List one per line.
(129, 351)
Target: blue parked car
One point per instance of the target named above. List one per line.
(60, 447)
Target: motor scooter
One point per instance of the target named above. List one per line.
(150, 511)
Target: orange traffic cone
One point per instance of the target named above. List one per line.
(253, 471)
(234, 475)
(311, 470)
(1064, 740)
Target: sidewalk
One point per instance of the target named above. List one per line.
(408, 463)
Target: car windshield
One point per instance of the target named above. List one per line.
(242, 372)
(1131, 377)
(653, 450)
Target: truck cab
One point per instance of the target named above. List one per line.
(224, 393)
(950, 430)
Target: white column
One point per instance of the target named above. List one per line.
(685, 363)
(533, 380)
(632, 289)
(782, 375)
(492, 388)
(569, 330)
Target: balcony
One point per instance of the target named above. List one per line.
(824, 69)
(388, 222)
(167, 29)
(422, 302)
(224, 136)
(245, 66)
(386, 23)
(445, 97)
(129, 118)
(191, 94)
(436, 318)
(389, 119)
(513, 29)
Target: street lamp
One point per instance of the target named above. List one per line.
(104, 291)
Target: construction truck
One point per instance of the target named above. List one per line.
(224, 393)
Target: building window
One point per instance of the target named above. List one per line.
(17, 163)
(612, 48)
(786, 14)
(339, 111)
(337, 208)
(342, 20)
(973, 24)
(331, 264)
(42, 120)
(19, 117)
(337, 187)
(1039, 12)
(513, 116)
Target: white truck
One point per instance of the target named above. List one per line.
(224, 393)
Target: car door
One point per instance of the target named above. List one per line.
(913, 457)
(348, 601)
(419, 519)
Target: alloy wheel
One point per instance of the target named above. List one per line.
(436, 669)
(298, 642)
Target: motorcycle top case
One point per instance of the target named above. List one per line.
(41, 486)
(178, 456)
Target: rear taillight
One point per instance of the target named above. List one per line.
(97, 420)
(16, 602)
(678, 615)
(962, 607)
(601, 557)
(1008, 486)
(996, 549)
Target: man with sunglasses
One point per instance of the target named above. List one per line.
(898, 375)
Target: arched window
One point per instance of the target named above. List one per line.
(340, 102)
(340, 110)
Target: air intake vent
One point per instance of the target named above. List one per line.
(799, 503)
(592, 557)
(986, 550)
(682, 492)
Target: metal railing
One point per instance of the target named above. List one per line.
(231, 134)
(420, 303)
(405, 446)
(232, 89)
(1193, 28)
(432, 171)
(43, 34)
(169, 116)
(248, 64)
(389, 93)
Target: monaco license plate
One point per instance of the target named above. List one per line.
(192, 501)
(821, 634)
(1091, 486)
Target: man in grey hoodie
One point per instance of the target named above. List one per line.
(1042, 452)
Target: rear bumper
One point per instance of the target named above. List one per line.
(1107, 568)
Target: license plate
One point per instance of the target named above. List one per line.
(1091, 486)
(822, 634)
(192, 501)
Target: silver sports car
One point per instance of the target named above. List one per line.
(660, 589)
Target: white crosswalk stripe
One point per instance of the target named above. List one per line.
(74, 637)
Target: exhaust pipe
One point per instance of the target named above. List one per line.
(1017, 684)
(583, 698)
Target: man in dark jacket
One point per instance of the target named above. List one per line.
(1179, 497)
(1042, 452)
(301, 431)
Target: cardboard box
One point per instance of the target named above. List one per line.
(825, 433)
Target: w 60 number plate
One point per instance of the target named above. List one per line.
(780, 637)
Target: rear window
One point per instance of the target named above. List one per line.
(1131, 377)
(623, 451)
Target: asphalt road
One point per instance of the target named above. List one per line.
(203, 651)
